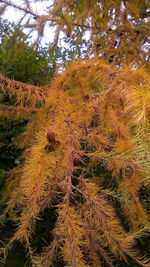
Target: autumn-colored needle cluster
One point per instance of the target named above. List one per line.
(86, 148)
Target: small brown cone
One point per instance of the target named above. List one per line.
(50, 136)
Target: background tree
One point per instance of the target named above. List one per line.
(21, 61)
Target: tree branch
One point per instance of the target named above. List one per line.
(34, 90)
(21, 8)
(48, 17)
(18, 109)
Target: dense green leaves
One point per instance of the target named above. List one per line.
(18, 60)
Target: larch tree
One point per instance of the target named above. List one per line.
(86, 144)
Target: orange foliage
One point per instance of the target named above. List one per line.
(98, 116)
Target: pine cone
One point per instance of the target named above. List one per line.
(86, 98)
(50, 136)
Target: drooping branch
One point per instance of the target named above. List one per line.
(34, 90)
(91, 137)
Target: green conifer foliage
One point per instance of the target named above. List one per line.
(21, 61)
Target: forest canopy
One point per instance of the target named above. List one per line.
(77, 190)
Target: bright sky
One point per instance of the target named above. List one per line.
(14, 15)
(38, 7)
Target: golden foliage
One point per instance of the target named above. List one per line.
(99, 116)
